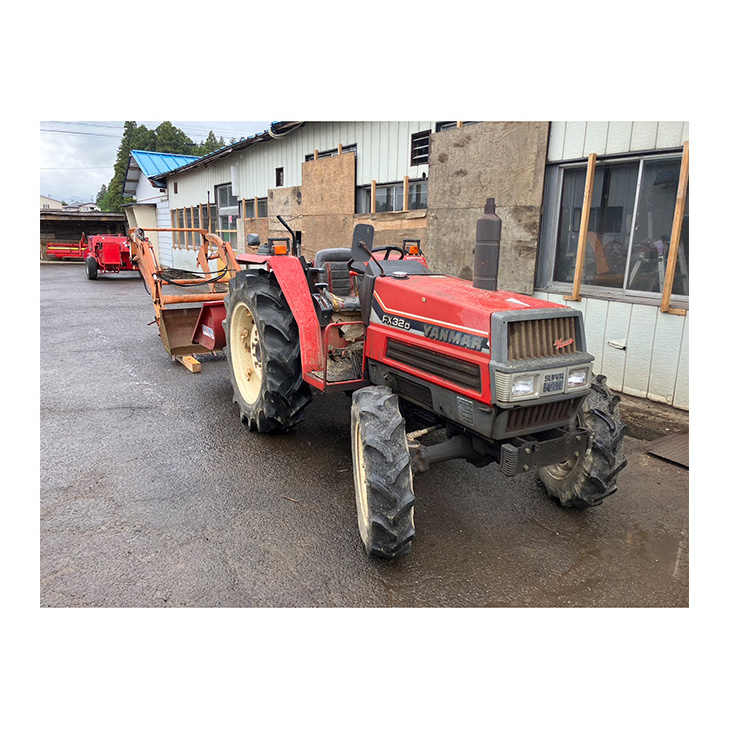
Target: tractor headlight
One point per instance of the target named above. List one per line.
(578, 378)
(524, 386)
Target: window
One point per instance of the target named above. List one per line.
(388, 198)
(629, 228)
(279, 177)
(441, 126)
(251, 206)
(224, 196)
(331, 153)
(228, 212)
(419, 147)
(197, 240)
(263, 208)
(418, 195)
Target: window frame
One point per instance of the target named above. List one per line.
(418, 157)
(346, 150)
(548, 241)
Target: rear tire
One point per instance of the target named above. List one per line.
(92, 267)
(587, 481)
(382, 473)
(262, 349)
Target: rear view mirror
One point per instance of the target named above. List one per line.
(362, 242)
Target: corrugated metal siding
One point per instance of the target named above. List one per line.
(164, 238)
(655, 363)
(383, 154)
(575, 140)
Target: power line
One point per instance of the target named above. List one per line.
(98, 167)
(85, 134)
(190, 129)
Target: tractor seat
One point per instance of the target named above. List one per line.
(333, 261)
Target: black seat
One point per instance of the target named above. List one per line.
(333, 261)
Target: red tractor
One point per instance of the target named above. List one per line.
(504, 378)
(106, 254)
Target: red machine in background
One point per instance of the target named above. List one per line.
(106, 254)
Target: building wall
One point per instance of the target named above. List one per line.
(641, 350)
(383, 153)
(146, 192)
(648, 354)
(576, 140)
(50, 203)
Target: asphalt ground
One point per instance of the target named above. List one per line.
(154, 494)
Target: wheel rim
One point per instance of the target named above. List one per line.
(246, 353)
(565, 469)
(361, 487)
(562, 471)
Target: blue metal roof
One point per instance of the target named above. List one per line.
(156, 163)
(151, 164)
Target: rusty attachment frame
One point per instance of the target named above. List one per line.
(180, 316)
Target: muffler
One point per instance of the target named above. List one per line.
(486, 251)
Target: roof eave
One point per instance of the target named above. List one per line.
(275, 129)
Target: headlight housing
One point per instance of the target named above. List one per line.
(524, 386)
(578, 377)
(519, 387)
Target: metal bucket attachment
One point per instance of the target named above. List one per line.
(177, 330)
(209, 329)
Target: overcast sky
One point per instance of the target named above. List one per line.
(77, 158)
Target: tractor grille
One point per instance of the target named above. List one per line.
(543, 414)
(414, 391)
(540, 338)
(460, 372)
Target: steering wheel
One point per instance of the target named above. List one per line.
(388, 249)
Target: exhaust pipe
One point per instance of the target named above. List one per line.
(486, 251)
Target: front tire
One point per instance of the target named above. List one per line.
(382, 472)
(587, 481)
(262, 349)
(92, 267)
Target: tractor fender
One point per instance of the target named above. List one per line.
(293, 283)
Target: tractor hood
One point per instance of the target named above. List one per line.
(445, 308)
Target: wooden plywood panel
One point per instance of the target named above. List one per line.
(557, 140)
(639, 344)
(575, 133)
(596, 137)
(643, 135)
(681, 389)
(665, 357)
(617, 329)
(619, 137)
(328, 185)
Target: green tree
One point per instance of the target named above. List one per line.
(165, 138)
(211, 144)
(172, 139)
